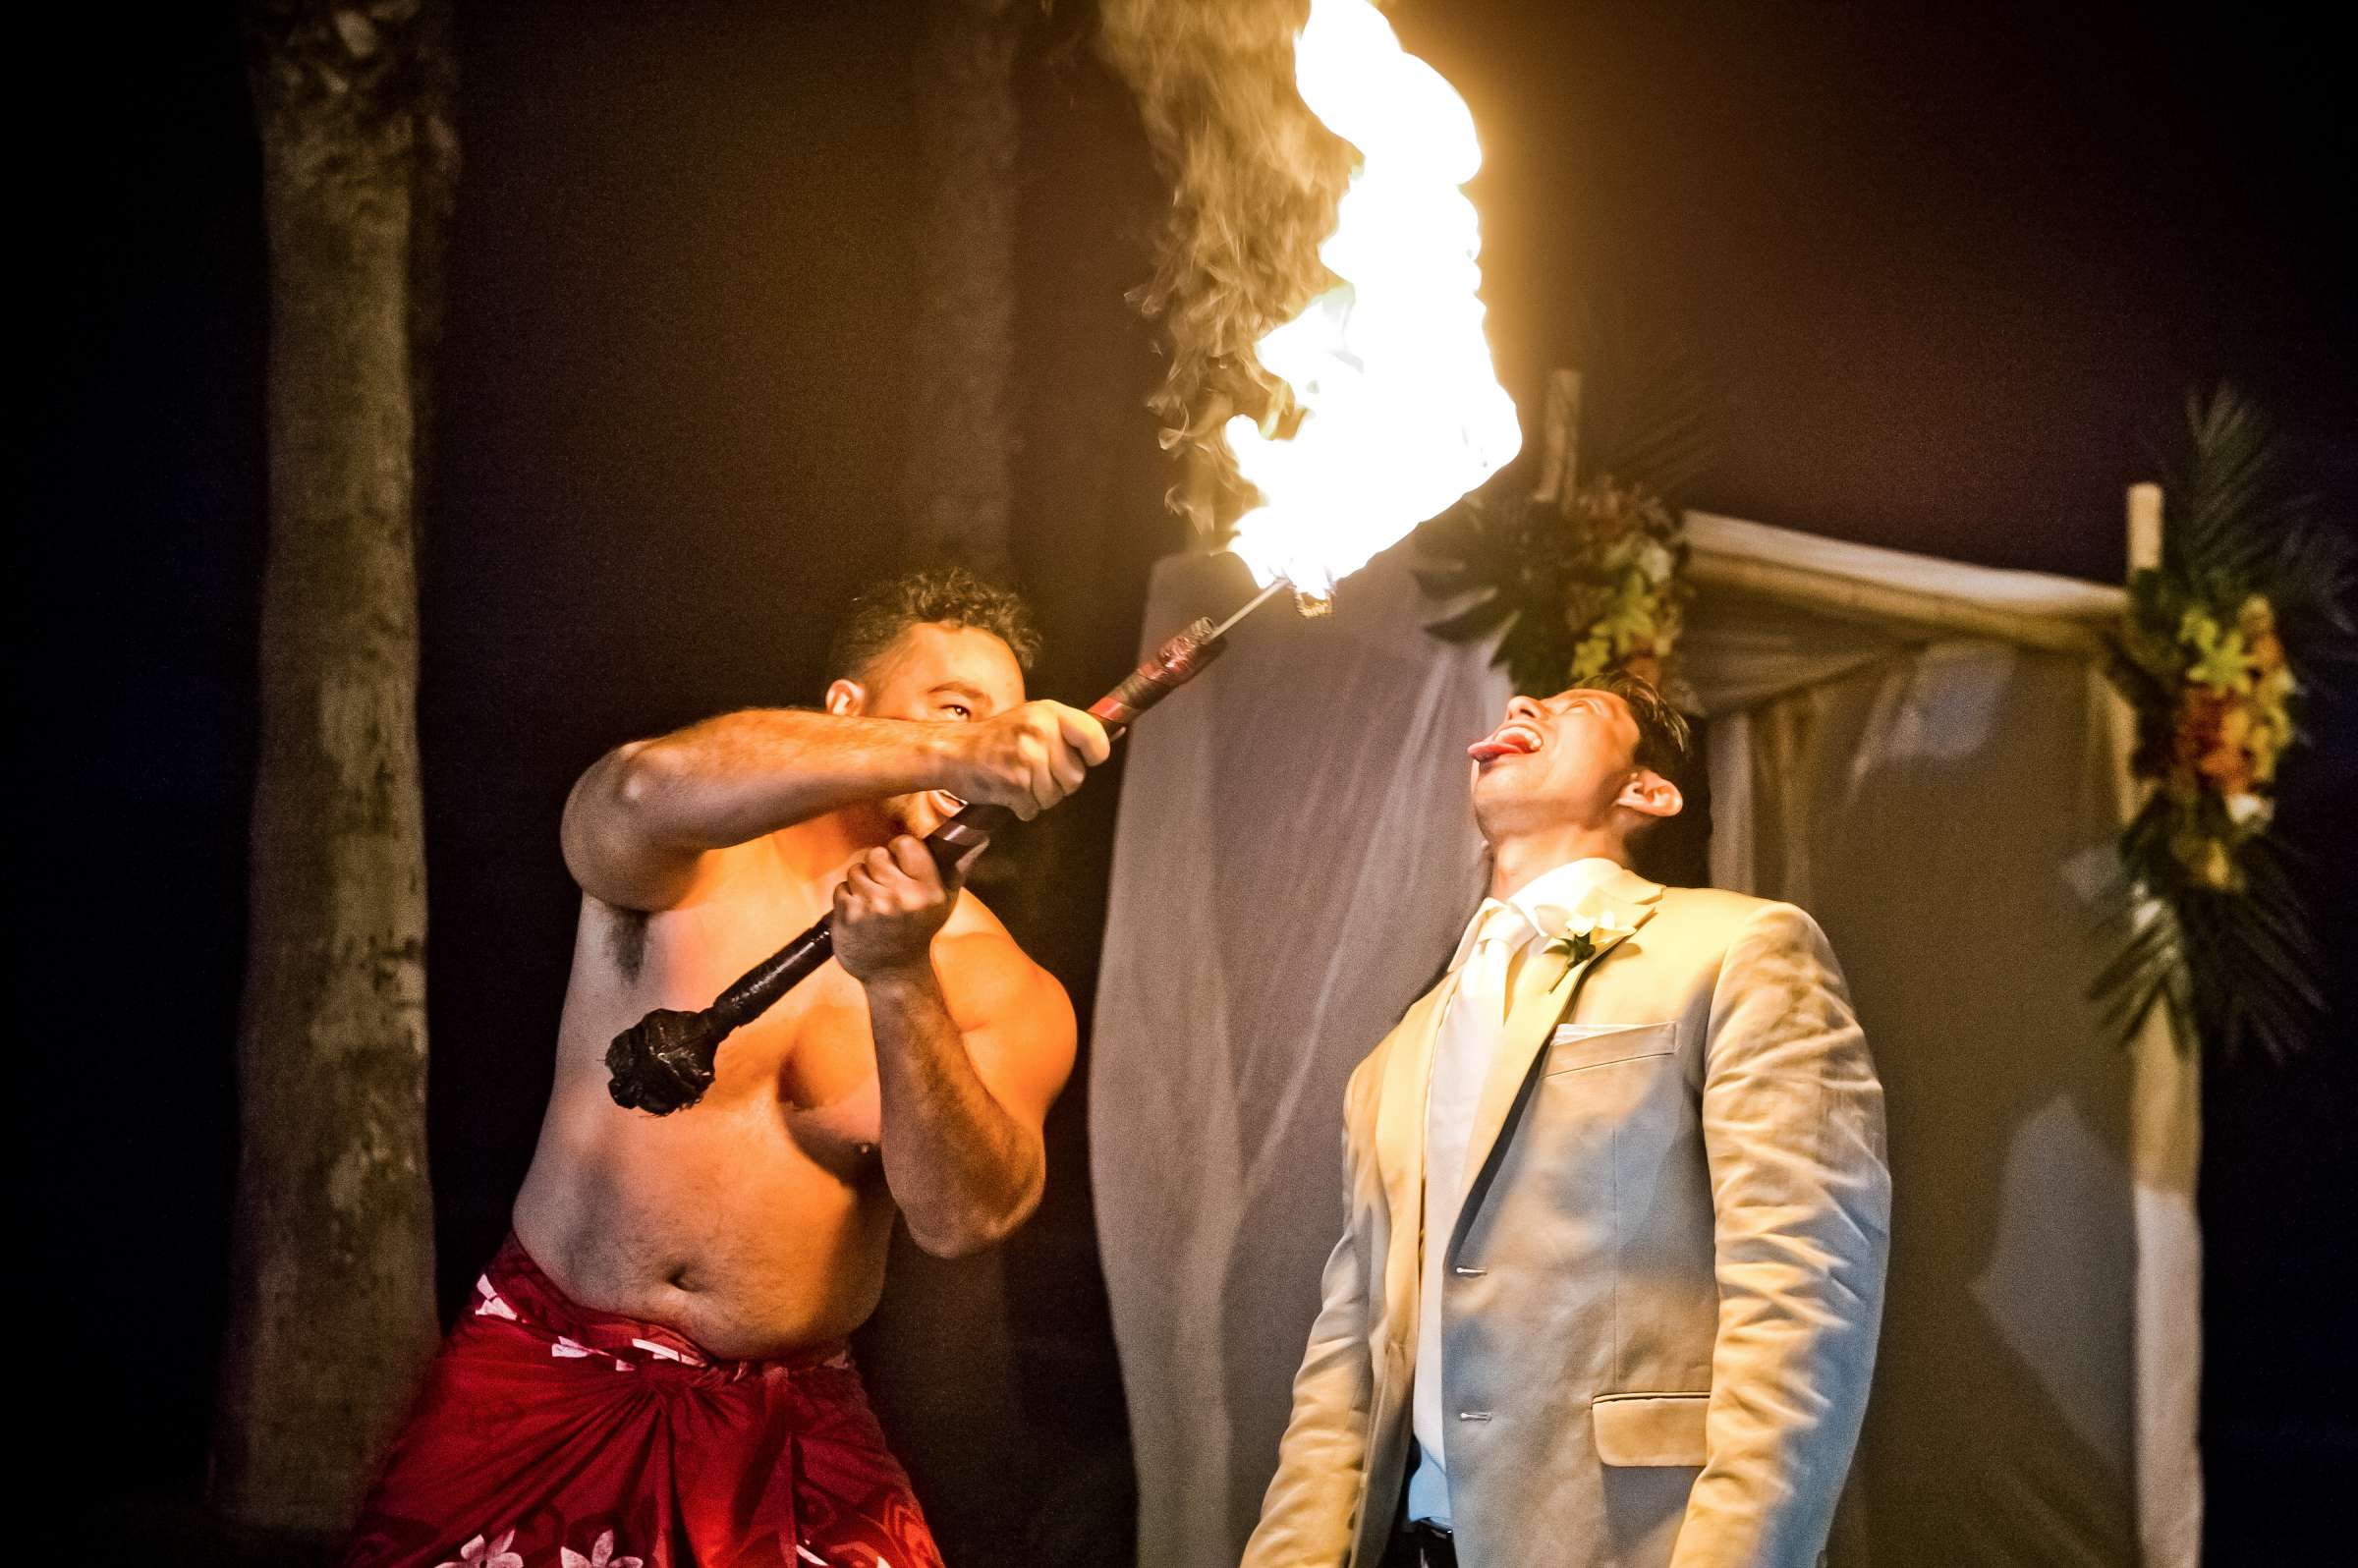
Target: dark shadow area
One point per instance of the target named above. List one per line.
(2279, 1234)
(138, 558)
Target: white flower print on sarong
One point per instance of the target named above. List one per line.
(601, 1555)
(476, 1554)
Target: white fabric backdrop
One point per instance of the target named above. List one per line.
(1294, 861)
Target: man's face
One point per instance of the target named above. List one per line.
(1564, 761)
(938, 672)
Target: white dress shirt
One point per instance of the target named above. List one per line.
(1499, 939)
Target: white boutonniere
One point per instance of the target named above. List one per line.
(1584, 937)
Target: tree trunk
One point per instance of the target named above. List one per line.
(333, 1309)
(962, 440)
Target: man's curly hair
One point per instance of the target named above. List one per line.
(950, 594)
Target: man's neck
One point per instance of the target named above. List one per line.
(1516, 860)
(822, 848)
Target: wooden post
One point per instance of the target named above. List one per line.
(2145, 527)
(2165, 1146)
(1559, 460)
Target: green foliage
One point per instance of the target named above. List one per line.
(1579, 591)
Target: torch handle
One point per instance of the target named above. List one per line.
(664, 1061)
(953, 844)
(1173, 665)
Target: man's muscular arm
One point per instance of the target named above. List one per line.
(644, 815)
(963, 1098)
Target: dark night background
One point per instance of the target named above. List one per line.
(1958, 265)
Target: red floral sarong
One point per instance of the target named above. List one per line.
(549, 1436)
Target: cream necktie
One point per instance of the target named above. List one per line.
(1500, 931)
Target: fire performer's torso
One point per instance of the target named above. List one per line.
(756, 1221)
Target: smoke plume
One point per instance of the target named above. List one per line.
(1254, 180)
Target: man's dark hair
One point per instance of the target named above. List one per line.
(1666, 739)
(1679, 844)
(948, 593)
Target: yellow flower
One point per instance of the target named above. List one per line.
(2221, 660)
(2205, 858)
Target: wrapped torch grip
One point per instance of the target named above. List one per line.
(1175, 664)
(664, 1062)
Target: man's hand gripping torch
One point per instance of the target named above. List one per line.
(663, 1063)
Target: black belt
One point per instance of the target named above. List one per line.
(1436, 1547)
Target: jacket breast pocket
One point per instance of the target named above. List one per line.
(1575, 1046)
(1650, 1429)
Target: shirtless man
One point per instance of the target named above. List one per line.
(728, 1249)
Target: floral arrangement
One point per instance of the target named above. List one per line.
(1594, 585)
(2215, 928)
(1624, 595)
(2210, 742)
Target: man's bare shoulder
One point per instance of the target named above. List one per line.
(987, 976)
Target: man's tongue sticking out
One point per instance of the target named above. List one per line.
(1513, 738)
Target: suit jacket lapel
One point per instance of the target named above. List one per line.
(1544, 992)
(1400, 1128)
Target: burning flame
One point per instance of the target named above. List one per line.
(1402, 411)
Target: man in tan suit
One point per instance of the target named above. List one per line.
(1616, 1209)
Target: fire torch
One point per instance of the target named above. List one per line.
(663, 1063)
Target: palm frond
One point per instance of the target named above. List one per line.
(2149, 968)
(2234, 516)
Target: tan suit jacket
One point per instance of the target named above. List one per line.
(1662, 1289)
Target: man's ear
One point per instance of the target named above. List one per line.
(1650, 794)
(845, 698)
